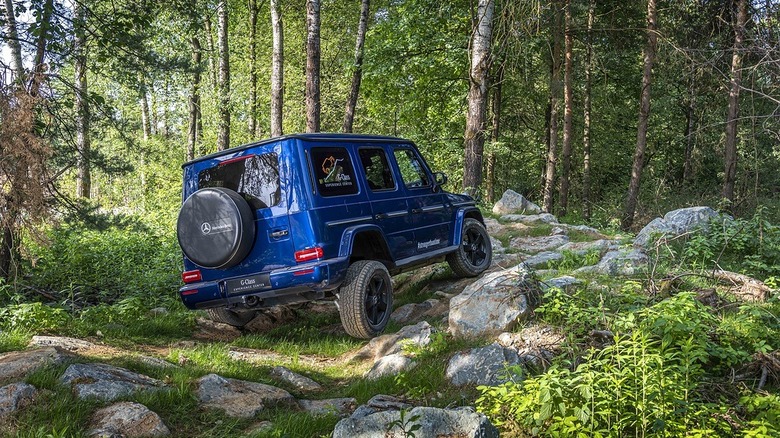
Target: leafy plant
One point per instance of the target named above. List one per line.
(407, 424)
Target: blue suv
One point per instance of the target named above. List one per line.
(311, 216)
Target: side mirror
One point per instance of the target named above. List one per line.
(440, 177)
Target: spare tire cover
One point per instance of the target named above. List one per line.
(216, 228)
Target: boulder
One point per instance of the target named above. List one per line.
(481, 366)
(106, 382)
(70, 344)
(582, 248)
(676, 223)
(532, 245)
(301, 383)
(18, 364)
(418, 334)
(432, 422)
(545, 218)
(542, 259)
(593, 232)
(536, 345)
(493, 226)
(332, 406)
(620, 262)
(379, 403)
(412, 312)
(14, 397)
(126, 419)
(563, 283)
(496, 245)
(513, 202)
(494, 303)
(390, 365)
(238, 398)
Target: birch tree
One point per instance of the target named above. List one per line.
(730, 149)
(313, 66)
(84, 178)
(277, 70)
(223, 137)
(357, 69)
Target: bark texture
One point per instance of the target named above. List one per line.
(212, 50)
(13, 41)
(313, 66)
(277, 70)
(357, 69)
(568, 106)
(644, 116)
(252, 68)
(586, 140)
(194, 113)
(730, 147)
(495, 132)
(83, 177)
(223, 137)
(39, 68)
(481, 36)
(555, 90)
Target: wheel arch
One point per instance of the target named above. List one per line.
(366, 242)
(460, 217)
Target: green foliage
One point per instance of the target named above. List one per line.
(407, 423)
(766, 415)
(36, 316)
(572, 260)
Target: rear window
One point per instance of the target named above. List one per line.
(333, 171)
(255, 178)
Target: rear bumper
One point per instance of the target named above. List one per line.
(305, 282)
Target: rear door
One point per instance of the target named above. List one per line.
(430, 217)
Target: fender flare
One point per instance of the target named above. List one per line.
(350, 233)
(460, 216)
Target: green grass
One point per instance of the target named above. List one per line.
(14, 339)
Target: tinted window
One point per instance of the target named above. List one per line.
(378, 174)
(412, 170)
(333, 171)
(256, 178)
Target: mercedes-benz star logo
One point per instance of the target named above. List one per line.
(205, 228)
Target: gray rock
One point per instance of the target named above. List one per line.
(532, 245)
(494, 303)
(586, 230)
(18, 364)
(302, 383)
(239, 398)
(433, 422)
(14, 397)
(127, 419)
(621, 262)
(513, 202)
(563, 283)
(493, 226)
(542, 259)
(106, 382)
(545, 218)
(158, 311)
(332, 406)
(412, 312)
(558, 231)
(156, 362)
(496, 245)
(70, 344)
(418, 334)
(481, 366)
(676, 223)
(379, 403)
(582, 248)
(536, 345)
(390, 365)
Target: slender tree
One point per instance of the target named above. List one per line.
(212, 50)
(480, 44)
(495, 132)
(143, 97)
(644, 116)
(194, 113)
(253, 68)
(44, 29)
(690, 121)
(277, 70)
(555, 89)
(223, 137)
(730, 149)
(13, 41)
(357, 68)
(586, 140)
(83, 179)
(313, 66)
(568, 106)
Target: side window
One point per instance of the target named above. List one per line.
(378, 173)
(255, 177)
(333, 171)
(412, 170)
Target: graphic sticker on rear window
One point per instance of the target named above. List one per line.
(334, 171)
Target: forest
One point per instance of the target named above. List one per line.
(606, 113)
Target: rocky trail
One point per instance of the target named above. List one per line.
(492, 315)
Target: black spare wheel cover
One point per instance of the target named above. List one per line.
(216, 228)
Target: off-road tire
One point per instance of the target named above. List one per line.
(366, 299)
(475, 252)
(231, 317)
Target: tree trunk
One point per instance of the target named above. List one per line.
(44, 25)
(83, 178)
(730, 150)
(143, 95)
(277, 70)
(252, 68)
(223, 137)
(481, 36)
(357, 72)
(13, 41)
(7, 252)
(313, 66)
(555, 88)
(586, 140)
(495, 133)
(690, 116)
(644, 115)
(212, 51)
(192, 139)
(567, 112)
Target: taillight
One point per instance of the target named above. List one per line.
(189, 292)
(306, 255)
(191, 276)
